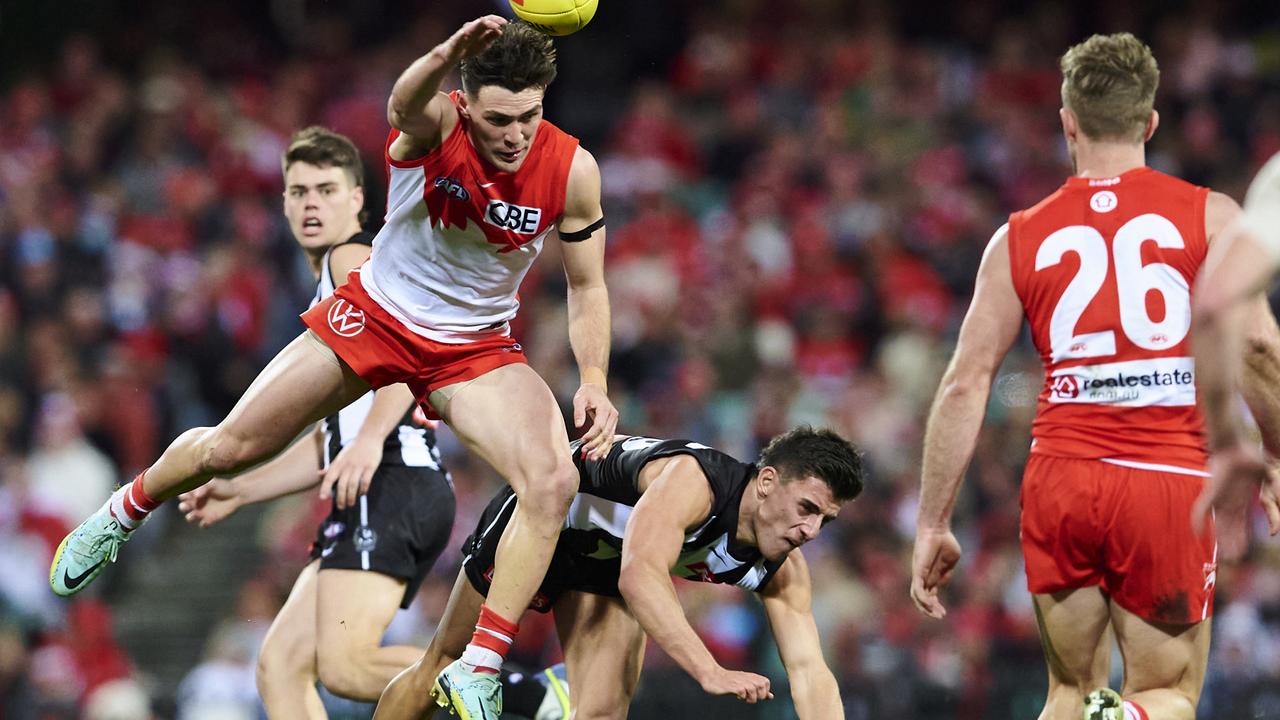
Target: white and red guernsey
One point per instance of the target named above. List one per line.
(460, 235)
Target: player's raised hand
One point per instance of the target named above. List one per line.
(591, 402)
(210, 503)
(474, 37)
(1236, 474)
(933, 560)
(747, 687)
(349, 475)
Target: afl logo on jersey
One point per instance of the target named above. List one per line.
(345, 319)
(1065, 387)
(1103, 201)
(453, 188)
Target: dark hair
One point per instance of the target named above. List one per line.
(1109, 82)
(324, 148)
(521, 58)
(803, 451)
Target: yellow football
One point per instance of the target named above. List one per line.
(556, 17)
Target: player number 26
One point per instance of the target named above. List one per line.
(1133, 281)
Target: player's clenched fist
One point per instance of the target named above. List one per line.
(748, 687)
(591, 402)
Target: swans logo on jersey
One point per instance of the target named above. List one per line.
(345, 319)
(453, 188)
(515, 218)
(1065, 387)
(1103, 201)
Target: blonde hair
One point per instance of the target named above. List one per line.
(1109, 82)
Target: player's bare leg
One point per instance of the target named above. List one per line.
(603, 654)
(1164, 665)
(305, 382)
(409, 694)
(302, 384)
(510, 419)
(353, 610)
(287, 661)
(1073, 627)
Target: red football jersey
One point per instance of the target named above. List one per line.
(460, 235)
(1104, 268)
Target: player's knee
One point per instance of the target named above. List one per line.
(279, 665)
(550, 491)
(224, 453)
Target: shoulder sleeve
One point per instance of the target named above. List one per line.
(562, 147)
(448, 144)
(1013, 232)
(1201, 207)
(1261, 216)
(770, 569)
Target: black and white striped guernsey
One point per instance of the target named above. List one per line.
(410, 444)
(608, 494)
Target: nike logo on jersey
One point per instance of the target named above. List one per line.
(72, 583)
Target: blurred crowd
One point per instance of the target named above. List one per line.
(796, 203)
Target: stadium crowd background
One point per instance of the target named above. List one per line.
(797, 191)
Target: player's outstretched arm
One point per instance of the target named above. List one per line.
(989, 328)
(678, 499)
(788, 605)
(294, 470)
(349, 475)
(416, 107)
(1237, 347)
(582, 230)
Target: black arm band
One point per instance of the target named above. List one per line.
(583, 234)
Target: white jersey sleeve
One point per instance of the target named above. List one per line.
(1261, 216)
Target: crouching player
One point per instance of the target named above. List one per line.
(650, 509)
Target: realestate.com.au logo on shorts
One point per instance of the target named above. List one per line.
(345, 319)
(1136, 383)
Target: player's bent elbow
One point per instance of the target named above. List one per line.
(959, 386)
(395, 118)
(631, 578)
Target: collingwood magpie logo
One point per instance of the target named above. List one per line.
(364, 538)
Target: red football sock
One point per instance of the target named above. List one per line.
(490, 643)
(130, 505)
(1134, 711)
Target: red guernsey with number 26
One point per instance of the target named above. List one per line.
(1104, 269)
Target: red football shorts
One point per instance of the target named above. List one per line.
(382, 351)
(1088, 522)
